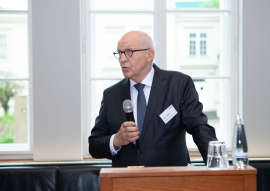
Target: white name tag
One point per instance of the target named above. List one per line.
(168, 114)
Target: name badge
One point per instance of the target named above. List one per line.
(168, 114)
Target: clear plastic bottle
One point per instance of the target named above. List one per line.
(239, 147)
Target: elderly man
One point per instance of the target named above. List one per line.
(166, 106)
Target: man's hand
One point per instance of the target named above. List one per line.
(127, 133)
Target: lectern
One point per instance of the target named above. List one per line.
(197, 178)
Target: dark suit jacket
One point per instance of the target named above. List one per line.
(160, 144)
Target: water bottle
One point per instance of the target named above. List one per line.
(239, 147)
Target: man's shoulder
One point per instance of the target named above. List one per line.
(117, 85)
(175, 73)
(170, 73)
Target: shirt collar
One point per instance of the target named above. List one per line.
(148, 80)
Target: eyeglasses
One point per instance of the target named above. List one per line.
(128, 53)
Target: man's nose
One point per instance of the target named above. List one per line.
(122, 57)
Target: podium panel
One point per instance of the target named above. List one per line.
(177, 178)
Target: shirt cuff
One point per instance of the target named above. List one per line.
(113, 151)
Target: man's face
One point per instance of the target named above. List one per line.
(137, 66)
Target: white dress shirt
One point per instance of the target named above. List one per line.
(148, 80)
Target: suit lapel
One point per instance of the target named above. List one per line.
(157, 89)
(125, 91)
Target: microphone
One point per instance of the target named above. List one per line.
(128, 109)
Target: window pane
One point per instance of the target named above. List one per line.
(13, 4)
(14, 112)
(122, 4)
(14, 44)
(197, 4)
(3, 46)
(105, 36)
(214, 94)
(196, 44)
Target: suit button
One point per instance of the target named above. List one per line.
(139, 152)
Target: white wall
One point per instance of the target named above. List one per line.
(57, 80)
(256, 75)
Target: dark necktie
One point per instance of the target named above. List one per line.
(141, 105)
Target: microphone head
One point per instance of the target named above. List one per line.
(128, 106)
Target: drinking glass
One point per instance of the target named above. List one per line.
(217, 157)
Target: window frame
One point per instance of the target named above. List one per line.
(160, 34)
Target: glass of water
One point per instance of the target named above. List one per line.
(217, 157)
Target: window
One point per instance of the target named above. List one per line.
(203, 44)
(15, 82)
(192, 37)
(192, 44)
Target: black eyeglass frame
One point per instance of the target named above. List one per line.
(127, 50)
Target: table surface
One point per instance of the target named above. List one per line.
(172, 171)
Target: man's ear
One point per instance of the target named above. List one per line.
(151, 55)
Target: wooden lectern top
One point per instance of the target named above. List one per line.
(172, 171)
(178, 178)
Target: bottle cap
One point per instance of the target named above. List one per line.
(239, 119)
